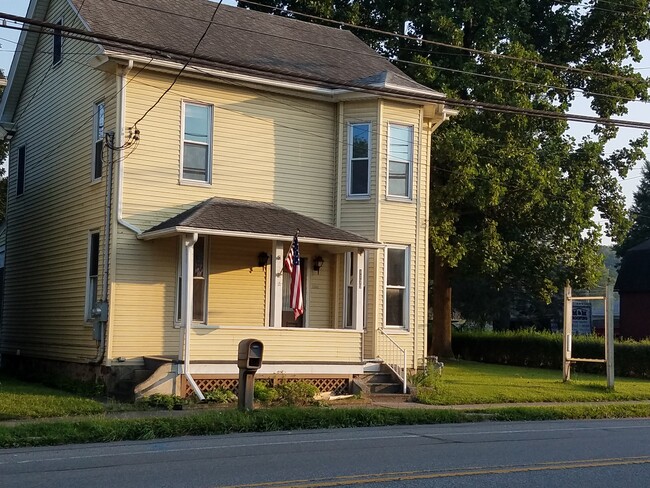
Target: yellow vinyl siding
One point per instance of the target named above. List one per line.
(266, 147)
(237, 286)
(47, 227)
(144, 297)
(290, 345)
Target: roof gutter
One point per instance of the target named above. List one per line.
(172, 231)
(311, 90)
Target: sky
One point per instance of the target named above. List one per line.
(638, 111)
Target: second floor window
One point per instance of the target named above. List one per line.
(197, 142)
(400, 160)
(359, 160)
(20, 180)
(98, 140)
(57, 44)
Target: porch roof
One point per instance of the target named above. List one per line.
(254, 220)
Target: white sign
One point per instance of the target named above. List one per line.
(582, 317)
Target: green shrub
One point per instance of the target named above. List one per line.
(158, 400)
(264, 393)
(220, 395)
(544, 350)
(296, 393)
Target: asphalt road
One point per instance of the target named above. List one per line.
(608, 453)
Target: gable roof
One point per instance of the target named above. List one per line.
(264, 44)
(244, 218)
(634, 275)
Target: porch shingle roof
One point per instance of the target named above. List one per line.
(230, 216)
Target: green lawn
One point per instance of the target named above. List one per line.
(21, 400)
(465, 382)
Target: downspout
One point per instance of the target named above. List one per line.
(186, 306)
(121, 115)
(418, 208)
(110, 143)
(337, 206)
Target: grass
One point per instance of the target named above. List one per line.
(22, 400)
(287, 418)
(462, 382)
(466, 382)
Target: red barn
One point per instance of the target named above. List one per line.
(633, 286)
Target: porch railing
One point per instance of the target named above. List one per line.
(393, 356)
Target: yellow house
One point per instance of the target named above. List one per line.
(162, 157)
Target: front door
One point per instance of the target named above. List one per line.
(288, 319)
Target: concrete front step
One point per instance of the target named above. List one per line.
(385, 388)
(390, 397)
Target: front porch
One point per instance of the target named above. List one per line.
(231, 286)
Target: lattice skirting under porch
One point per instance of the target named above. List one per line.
(338, 385)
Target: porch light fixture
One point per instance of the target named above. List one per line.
(318, 263)
(262, 259)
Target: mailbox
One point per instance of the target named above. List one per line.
(250, 354)
(249, 360)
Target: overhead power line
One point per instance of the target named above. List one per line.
(443, 44)
(149, 49)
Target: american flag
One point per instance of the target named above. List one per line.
(292, 265)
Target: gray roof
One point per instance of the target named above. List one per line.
(248, 41)
(254, 218)
(634, 275)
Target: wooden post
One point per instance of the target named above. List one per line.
(609, 335)
(566, 335)
(277, 265)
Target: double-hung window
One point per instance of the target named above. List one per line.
(397, 299)
(98, 140)
(359, 160)
(197, 143)
(400, 160)
(57, 44)
(92, 278)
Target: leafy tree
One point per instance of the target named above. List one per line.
(512, 196)
(639, 214)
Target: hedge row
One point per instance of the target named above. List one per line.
(544, 350)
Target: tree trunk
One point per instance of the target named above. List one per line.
(441, 337)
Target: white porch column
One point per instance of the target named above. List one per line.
(277, 265)
(358, 265)
(187, 300)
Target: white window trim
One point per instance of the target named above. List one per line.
(179, 275)
(60, 61)
(406, 288)
(88, 305)
(409, 176)
(96, 105)
(350, 195)
(188, 181)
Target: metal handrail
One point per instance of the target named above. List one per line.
(394, 357)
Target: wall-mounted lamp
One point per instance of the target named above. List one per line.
(7, 134)
(318, 263)
(262, 259)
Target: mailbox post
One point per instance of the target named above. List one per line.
(249, 360)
